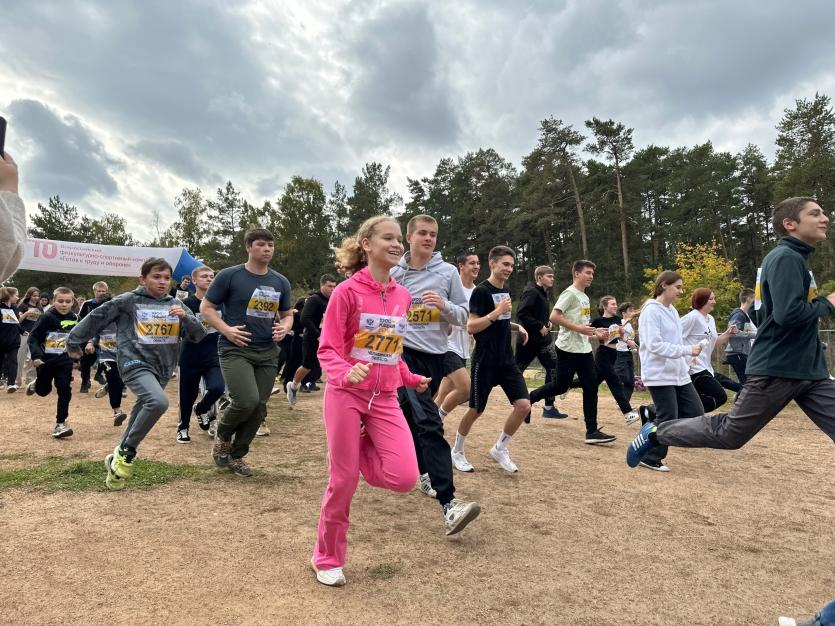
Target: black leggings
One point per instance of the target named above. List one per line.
(8, 361)
(114, 383)
(606, 359)
(711, 389)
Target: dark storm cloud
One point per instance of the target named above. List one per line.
(401, 91)
(65, 157)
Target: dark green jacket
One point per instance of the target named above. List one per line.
(787, 344)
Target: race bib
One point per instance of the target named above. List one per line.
(758, 301)
(615, 332)
(154, 326)
(182, 295)
(585, 314)
(379, 339)
(263, 303)
(56, 343)
(423, 316)
(107, 342)
(209, 329)
(9, 316)
(497, 300)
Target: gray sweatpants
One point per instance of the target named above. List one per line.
(759, 401)
(151, 403)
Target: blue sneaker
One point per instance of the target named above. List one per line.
(640, 445)
(553, 413)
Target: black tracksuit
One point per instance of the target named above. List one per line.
(47, 342)
(532, 314)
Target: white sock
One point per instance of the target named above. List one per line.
(459, 442)
(504, 441)
(548, 407)
(442, 413)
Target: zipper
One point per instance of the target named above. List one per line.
(376, 391)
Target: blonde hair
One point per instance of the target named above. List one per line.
(350, 257)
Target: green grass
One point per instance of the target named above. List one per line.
(385, 571)
(73, 474)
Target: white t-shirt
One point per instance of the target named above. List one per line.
(459, 338)
(627, 332)
(698, 328)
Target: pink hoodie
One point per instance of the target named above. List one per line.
(357, 295)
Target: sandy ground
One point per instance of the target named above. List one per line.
(574, 538)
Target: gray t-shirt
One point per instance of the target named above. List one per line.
(251, 300)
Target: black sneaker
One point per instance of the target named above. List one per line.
(203, 420)
(598, 437)
(647, 414)
(313, 387)
(85, 387)
(304, 388)
(182, 436)
(657, 466)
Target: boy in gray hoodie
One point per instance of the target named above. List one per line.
(149, 327)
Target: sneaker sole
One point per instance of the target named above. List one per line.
(11, 389)
(183, 441)
(663, 469)
(118, 421)
(464, 471)
(63, 435)
(597, 442)
(473, 513)
(513, 471)
(339, 583)
(113, 482)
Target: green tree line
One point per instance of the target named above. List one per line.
(623, 207)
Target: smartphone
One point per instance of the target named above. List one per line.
(2, 136)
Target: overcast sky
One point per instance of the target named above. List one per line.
(117, 105)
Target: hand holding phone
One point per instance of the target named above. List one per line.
(2, 135)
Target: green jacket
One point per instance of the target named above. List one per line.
(787, 344)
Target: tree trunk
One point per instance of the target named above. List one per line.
(623, 238)
(581, 218)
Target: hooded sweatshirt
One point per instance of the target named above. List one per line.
(366, 322)
(12, 233)
(146, 336)
(664, 357)
(428, 327)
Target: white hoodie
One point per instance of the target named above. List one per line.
(664, 357)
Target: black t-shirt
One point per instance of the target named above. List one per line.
(606, 322)
(494, 341)
(28, 324)
(204, 353)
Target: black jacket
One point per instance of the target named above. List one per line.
(533, 312)
(51, 322)
(312, 314)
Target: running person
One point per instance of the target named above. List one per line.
(788, 360)
(106, 348)
(89, 359)
(150, 325)
(28, 312)
(698, 326)
(311, 319)
(9, 337)
(572, 313)
(739, 346)
(532, 314)
(251, 297)
(455, 388)
(199, 361)
(360, 351)
(438, 303)
(493, 362)
(606, 356)
(625, 364)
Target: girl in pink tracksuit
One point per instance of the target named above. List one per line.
(360, 351)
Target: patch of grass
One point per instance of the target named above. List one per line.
(384, 571)
(62, 474)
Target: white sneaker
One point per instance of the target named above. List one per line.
(502, 457)
(330, 577)
(632, 416)
(30, 389)
(460, 462)
(62, 429)
(292, 391)
(212, 429)
(425, 486)
(263, 430)
(459, 513)
(11, 388)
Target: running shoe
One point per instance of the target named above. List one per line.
(125, 392)
(113, 482)
(631, 417)
(502, 457)
(598, 437)
(11, 388)
(30, 388)
(121, 466)
(313, 387)
(658, 466)
(85, 387)
(331, 577)
(62, 430)
(807, 621)
(304, 388)
(203, 420)
(553, 413)
(640, 445)
(263, 430)
(239, 467)
(223, 403)
(425, 486)
(99, 378)
(182, 436)
(459, 513)
(220, 452)
(101, 392)
(292, 390)
(212, 428)
(460, 462)
(646, 413)
(118, 417)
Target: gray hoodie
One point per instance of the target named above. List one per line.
(143, 331)
(425, 333)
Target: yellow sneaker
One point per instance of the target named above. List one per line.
(113, 482)
(121, 466)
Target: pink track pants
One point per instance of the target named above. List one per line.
(384, 454)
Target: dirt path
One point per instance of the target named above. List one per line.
(576, 538)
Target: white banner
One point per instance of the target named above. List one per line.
(69, 257)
